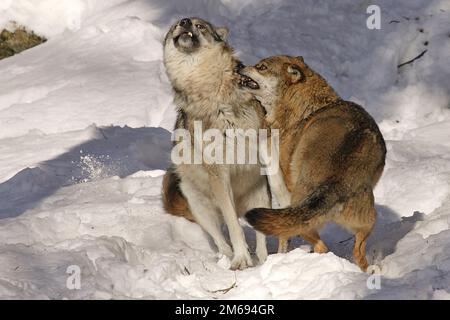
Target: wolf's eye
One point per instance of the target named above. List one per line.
(261, 67)
(200, 27)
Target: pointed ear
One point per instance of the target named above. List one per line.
(223, 33)
(295, 73)
(301, 59)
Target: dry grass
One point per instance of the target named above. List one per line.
(14, 42)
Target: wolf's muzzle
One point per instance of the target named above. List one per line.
(185, 38)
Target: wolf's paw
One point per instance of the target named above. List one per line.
(241, 261)
(320, 247)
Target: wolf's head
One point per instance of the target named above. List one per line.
(288, 81)
(196, 51)
(190, 35)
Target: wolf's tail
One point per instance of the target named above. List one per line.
(279, 221)
(173, 199)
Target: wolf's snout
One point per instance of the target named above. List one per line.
(184, 36)
(185, 23)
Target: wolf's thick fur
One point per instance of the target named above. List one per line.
(173, 199)
(332, 156)
(202, 69)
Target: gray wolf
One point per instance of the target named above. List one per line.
(202, 69)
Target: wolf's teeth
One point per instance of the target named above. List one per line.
(190, 34)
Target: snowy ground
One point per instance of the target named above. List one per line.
(85, 124)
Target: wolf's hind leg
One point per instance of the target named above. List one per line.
(361, 235)
(359, 216)
(313, 237)
(283, 244)
(359, 251)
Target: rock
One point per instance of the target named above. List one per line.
(13, 42)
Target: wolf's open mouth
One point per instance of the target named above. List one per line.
(248, 82)
(185, 35)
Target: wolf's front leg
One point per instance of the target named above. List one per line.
(221, 188)
(206, 215)
(279, 189)
(274, 174)
(261, 247)
(258, 197)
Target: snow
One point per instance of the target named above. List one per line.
(85, 123)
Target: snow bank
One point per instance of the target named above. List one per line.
(51, 17)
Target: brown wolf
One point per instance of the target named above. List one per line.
(332, 155)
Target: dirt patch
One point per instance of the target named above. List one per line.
(13, 42)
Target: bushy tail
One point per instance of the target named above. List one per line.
(279, 221)
(173, 199)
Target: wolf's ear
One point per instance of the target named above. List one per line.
(223, 33)
(301, 59)
(295, 73)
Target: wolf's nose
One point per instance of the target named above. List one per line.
(185, 22)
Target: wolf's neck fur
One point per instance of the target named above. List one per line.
(205, 82)
(301, 100)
